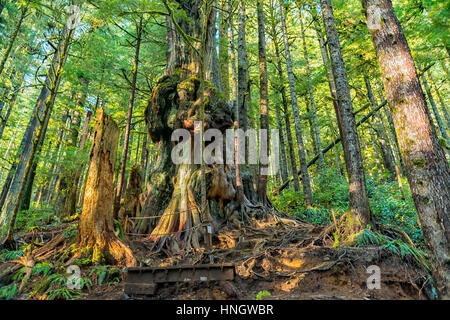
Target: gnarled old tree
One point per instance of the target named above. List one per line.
(184, 96)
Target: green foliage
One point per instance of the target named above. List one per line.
(42, 268)
(398, 247)
(390, 209)
(262, 294)
(8, 292)
(10, 255)
(27, 220)
(111, 275)
(64, 294)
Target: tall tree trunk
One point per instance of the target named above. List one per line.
(54, 177)
(298, 129)
(332, 87)
(282, 89)
(39, 119)
(224, 58)
(441, 102)
(283, 164)
(425, 163)
(96, 229)
(359, 202)
(233, 59)
(139, 31)
(23, 14)
(311, 95)
(398, 153)
(11, 103)
(71, 199)
(264, 106)
(434, 108)
(386, 151)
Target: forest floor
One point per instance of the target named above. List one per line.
(291, 260)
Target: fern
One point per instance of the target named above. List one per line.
(8, 292)
(398, 247)
(10, 255)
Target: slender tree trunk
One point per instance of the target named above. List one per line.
(281, 88)
(441, 102)
(11, 104)
(130, 115)
(45, 102)
(13, 38)
(394, 137)
(425, 162)
(359, 202)
(434, 108)
(298, 130)
(332, 86)
(224, 59)
(386, 151)
(70, 204)
(233, 59)
(375, 150)
(264, 106)
(283, 164)
(311, 96)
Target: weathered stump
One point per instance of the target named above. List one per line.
(96, 229)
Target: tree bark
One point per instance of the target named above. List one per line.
(282, 90)
(96, 229)
(298, 129)
(386, 151)
(311, 95)
(224, 58)
(139, 31)
(358, 203)
(264, 105)
(434, 108)
(45, 102)
(13, 38)
(425, 163)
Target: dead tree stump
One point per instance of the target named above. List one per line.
(96, 230)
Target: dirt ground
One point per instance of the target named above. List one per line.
(290, 260)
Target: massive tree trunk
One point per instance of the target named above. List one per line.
(359, 202)
(96, 228)
(425, 163)
(181, 194)
(298, 129)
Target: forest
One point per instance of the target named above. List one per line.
(224, 150)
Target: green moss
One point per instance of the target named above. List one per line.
(419, 162)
